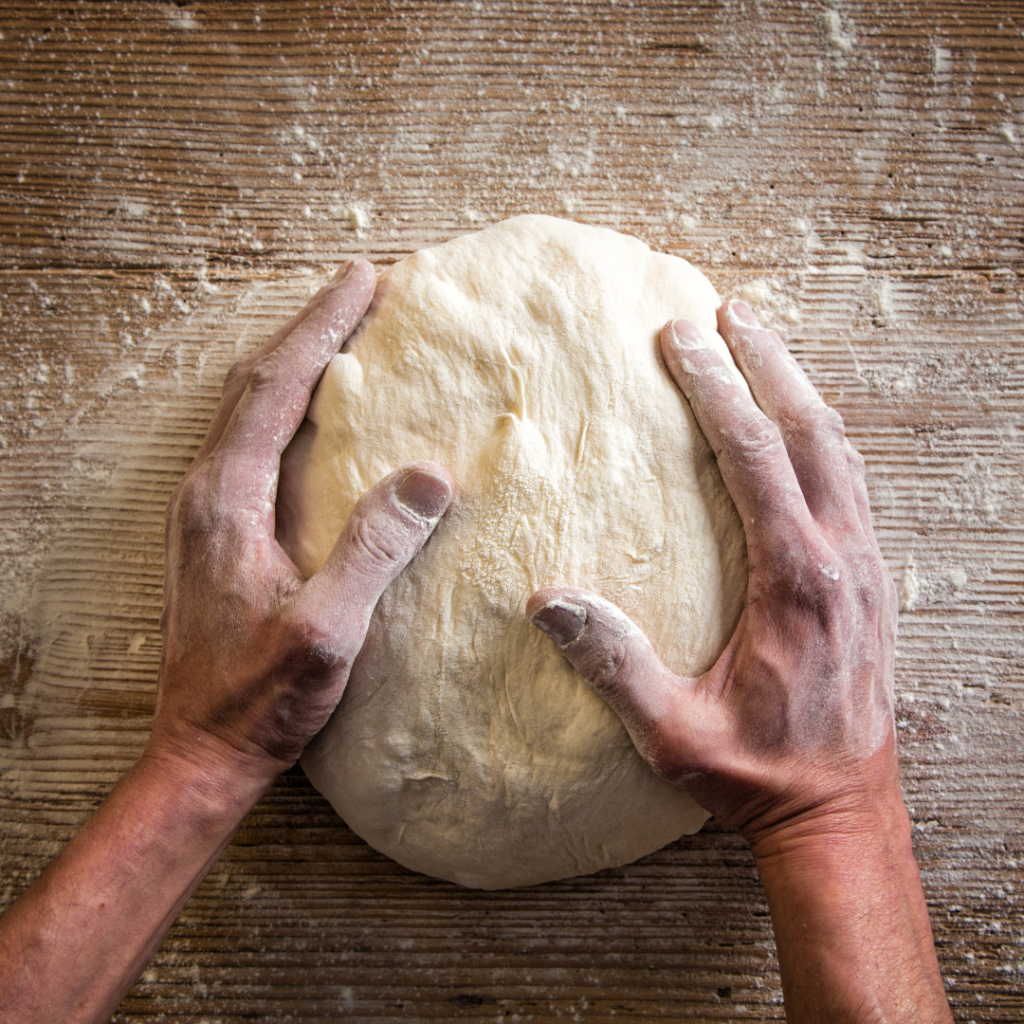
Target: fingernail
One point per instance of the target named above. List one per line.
(742, 313)
(424, 494)
(344, 271)
(563, 622)
(687, 334)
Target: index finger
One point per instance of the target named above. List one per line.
(813, 432)
(235, 382)
(751, 454)
(278, 386)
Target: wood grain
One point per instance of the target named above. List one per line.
(174, 180)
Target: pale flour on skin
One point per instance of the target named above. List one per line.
(524, 359)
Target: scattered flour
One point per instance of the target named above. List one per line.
(881, 295)
(839, 31)
(910, 589)
(355, 217)
(770, 299)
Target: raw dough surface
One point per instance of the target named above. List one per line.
(525, 359)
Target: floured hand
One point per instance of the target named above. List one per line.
(255, 656)
(789, 737)
(800, 702)
(255, 659)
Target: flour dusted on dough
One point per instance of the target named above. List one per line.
(524, 358)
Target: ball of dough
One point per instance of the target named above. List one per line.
(525, 359)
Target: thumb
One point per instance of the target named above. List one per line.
(387, 527)
(658, 708)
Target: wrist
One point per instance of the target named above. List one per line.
(862, 808)
(840, 856)
(847, 905)
(218, 782)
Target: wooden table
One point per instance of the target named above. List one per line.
(176, 178)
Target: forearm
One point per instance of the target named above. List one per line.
(77, 940)
(851, 925)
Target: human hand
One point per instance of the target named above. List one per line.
(255, 657)
(789, 737)
(795, 719)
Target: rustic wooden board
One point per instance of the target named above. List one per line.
(174, 179)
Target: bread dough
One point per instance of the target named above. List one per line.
(525, 359)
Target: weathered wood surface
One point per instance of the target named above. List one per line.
(173, 179)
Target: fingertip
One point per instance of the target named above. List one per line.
(352, 275)
(425, 490)
(354, 284)
(428, 466)
(345, 270)
(573, 605)
(347, 294)
(356, 271)
(687, 354)
(556, 594)
(561, 620)
(681, 333)
(541, 597)
(747, 338)
(736, 313)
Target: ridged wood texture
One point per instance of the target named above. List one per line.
(174, 179)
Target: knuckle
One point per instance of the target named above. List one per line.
(840, 591)
(875, 591)
(603, 665)
(857, 464)
(261, 375)
(754, 437)
(374, 544)
(825, 420)
(818, 421)
(170, 509)
(235, 374)
(199, 516)
(810, 577)
(892, 595)
(869, 596)
(190, 502)
(311, 648)
(320, 656)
